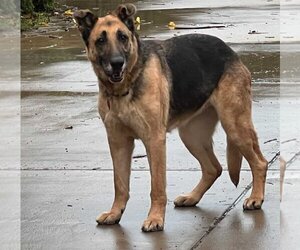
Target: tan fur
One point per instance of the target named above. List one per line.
(131, 74)
(182, 120)
(231, 104)
(282, 173)
(234, 161)
(232, 101)
(147, 118)
(197, 137)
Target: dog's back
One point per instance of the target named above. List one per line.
(196, 63)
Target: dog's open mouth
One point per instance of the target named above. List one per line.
(116, 77)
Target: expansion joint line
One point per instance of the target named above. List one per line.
(229, 208)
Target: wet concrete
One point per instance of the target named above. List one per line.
(289, 212)
(59, 210)
(42, 57)
(10, 209)
(67, 177)
(249, 230)
(64, 148)
(9, 137)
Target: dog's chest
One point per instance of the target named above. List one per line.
(127, 114)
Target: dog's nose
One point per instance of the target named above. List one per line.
(117, 63)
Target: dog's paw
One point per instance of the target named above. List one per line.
(253, 203)
(108, 218)
(186, 200)
(153, 224)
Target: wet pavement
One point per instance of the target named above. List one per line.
(61, 208)
(66, 175)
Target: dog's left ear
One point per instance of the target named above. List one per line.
(85, 21)
(125, 12)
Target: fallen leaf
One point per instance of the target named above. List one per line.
(138, 20)
(171, 25)
(69, 12)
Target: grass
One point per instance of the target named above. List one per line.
(33, 21)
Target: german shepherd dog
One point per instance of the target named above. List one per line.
(148, 88)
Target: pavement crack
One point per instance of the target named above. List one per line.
(275, 139)
(229, 208)
(223, 215)
(290, 161)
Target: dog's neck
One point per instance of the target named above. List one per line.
(117, 95)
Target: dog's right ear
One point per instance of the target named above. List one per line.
(125, 12)
(85, 21)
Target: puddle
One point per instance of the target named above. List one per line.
(57, 55)
(70, 64)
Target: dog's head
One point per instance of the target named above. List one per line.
(110, 41)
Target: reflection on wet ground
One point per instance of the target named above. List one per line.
(41, 54)
(59, 63)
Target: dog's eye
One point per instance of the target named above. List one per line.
(123, 38)
(101, 41)
(102, 38)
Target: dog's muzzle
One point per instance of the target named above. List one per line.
(117, 64)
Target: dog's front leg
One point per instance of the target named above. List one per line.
(121, 148)
(156, 152)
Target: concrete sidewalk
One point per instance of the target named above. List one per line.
(67, 181)
(67, 178)
(59, 210)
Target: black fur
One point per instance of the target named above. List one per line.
(85, 20)
(192, 63)
(125, 13)
(196, 63)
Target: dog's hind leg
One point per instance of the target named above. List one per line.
(197, 137)
(232, 100)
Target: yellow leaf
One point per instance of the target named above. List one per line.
(138, 20)
(69, 12)
(171, 25)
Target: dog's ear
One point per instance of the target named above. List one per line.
(125, 12)
(85, 20)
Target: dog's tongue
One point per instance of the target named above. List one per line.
(116, 75)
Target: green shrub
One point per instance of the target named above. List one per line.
(30, 6)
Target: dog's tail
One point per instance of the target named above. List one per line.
(234, 162)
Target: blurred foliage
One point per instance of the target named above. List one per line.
(34, 13)
(27, 6)
(30, 6)
(34, 21)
